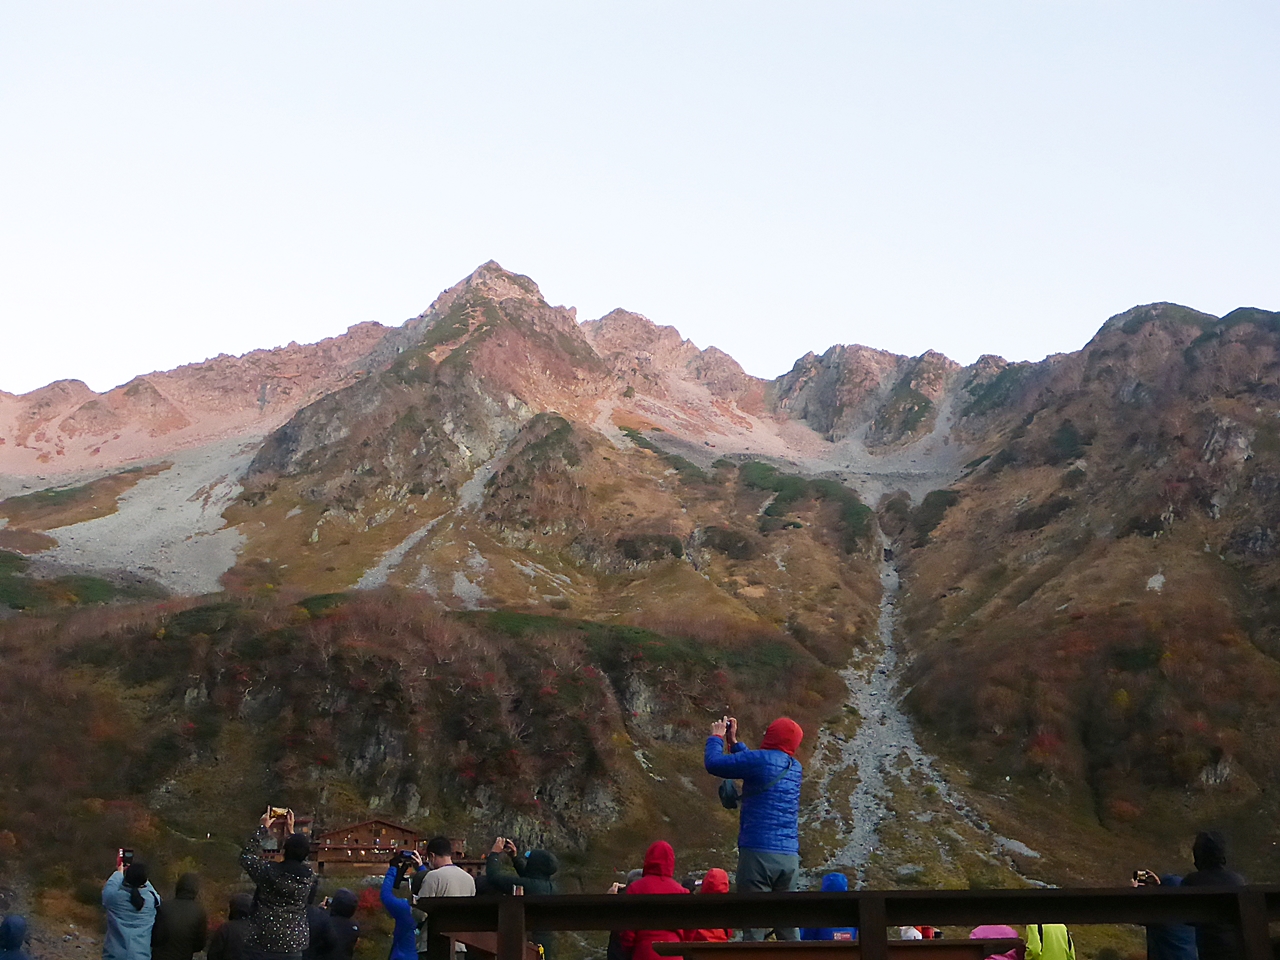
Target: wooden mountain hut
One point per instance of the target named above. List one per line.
(364, 847)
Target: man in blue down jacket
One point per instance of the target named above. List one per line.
(769, 831)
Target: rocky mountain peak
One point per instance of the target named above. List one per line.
(1135, 318)
(637, 338)
(489, 281)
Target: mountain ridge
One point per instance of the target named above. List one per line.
(1072, 565)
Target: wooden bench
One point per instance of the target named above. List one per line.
(835, 950)
(485, 945)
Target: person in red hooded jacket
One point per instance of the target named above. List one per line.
(658, 877)
(716, 881)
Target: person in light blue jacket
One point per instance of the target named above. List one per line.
(131, 903)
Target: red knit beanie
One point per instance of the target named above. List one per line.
(783, 734)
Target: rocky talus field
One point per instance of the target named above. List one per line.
(494, 570)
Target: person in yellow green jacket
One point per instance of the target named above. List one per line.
(1049, 941)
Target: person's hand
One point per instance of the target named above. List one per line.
(614, 888)
(718, 728)
(288, 821)
(509, 846)
(499, 845)
(416, 857)
(732, 731)
(267, 819)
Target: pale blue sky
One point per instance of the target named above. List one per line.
(183, 179)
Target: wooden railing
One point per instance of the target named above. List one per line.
(1250, 909)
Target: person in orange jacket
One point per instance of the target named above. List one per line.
(658, 877)
(716, 881)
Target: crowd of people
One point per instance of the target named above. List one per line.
(281, 920)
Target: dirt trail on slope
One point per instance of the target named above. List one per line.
(871, 771)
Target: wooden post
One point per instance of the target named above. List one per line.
(439, 946)
(511, 935)
(1254, 930)
(873, 930)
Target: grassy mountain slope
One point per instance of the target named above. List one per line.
(1089, 609)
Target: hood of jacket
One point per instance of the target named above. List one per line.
(660, 860)
(783, 734)
(241, 906)
(344, 903)
(835, 883)
(716, 881)
(13, 932)
(993, 931)
(541, 865)
(1209, 850)
(188, 887)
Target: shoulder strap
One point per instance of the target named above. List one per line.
(774, 782)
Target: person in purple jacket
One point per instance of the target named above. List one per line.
(769, 829)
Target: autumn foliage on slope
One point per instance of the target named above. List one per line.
(143, 725)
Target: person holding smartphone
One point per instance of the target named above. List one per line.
(533, 873)
(1166, 941)
(769, 826)
(279, 921)
(131, 904)
(404, 939)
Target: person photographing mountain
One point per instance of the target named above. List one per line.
(278, 926)
(769, 828)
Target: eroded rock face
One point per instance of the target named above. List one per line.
(839, 390)
(656, 359)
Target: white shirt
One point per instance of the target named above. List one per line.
(448, 881)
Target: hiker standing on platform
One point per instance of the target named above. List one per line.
(769, 833)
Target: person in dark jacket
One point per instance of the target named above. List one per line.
(346, 932)
(831, 883)
(1214, 941)
(279, 921)
(769, 831)
(227, 942)
(13, 936)
(615, 950)
(1167, 941)
(131, 904)
(182, 927)
(534, 872)
(659, 877)
(321, 943)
